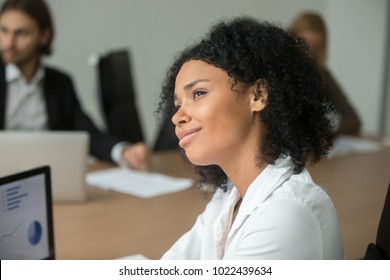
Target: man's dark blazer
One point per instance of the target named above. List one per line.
(63, 110)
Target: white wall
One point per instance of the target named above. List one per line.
(357, 48)
(385, 122)
(156, 30)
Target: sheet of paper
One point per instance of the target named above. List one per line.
(345, 145)
(134, 257)
(137, 183)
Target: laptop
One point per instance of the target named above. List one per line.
(65, 152)
(26, 223)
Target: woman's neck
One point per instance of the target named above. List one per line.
(242, 172)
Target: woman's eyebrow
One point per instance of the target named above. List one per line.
(190, 85)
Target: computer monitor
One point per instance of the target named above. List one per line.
(26, 223)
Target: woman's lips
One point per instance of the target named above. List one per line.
(186, 135)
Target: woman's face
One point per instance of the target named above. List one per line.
(214, 123)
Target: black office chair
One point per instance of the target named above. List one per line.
(166, 139)
(381, 249)
(117, 96)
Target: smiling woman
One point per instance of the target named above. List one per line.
(207, 110)
(250, 111)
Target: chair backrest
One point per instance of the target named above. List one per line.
(117, 96)
(166, 139)
(383, 234)
(381, 248)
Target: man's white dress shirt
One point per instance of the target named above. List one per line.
(26, 107)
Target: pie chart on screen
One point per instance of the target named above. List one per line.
(34, 232)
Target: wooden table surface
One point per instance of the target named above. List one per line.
(113, 225)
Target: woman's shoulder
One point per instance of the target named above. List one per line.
(299, 198)
(303, 190)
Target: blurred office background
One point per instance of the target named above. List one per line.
(155, 30)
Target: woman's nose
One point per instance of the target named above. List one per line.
(181, 117)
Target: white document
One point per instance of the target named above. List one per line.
(134, 257)
(137, 183)
(345, 145)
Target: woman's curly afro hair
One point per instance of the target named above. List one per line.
(298, 115)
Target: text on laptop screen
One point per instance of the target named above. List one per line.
(25, 225)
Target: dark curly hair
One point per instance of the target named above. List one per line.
(298, 115)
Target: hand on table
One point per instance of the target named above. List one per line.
(137, 156)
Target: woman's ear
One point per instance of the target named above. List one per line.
(259, 95)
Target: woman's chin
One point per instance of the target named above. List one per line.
(197, 159)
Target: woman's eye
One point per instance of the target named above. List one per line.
(198, 93)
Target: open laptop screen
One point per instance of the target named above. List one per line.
(26, 228)
(64, 151)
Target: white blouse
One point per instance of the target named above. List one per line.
(282, 216)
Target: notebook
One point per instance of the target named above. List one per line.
(26, 225)
(64, 151)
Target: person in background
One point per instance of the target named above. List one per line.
(311, 27)
(36, 97)
(250, 111)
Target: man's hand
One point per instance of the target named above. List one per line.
(137, 156)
